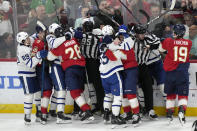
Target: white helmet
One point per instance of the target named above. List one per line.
(53, 27)
(107, 30)
(21, 36)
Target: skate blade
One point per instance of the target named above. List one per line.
(119, 126)
(153, 119)
(136, 125)
(106, 122)
(63, 121)
(37, 120)
(43, 122)
(170, 121)
(27, 123)
(89, 120)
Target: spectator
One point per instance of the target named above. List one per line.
(7, 47)
(135, 6)
(189, 20)
(155, 11)
(41, 16)
(65, 19)
(79, 21)
(193, 38)
(5, 23)
(114, 3)
(49, 7)
(86, 3)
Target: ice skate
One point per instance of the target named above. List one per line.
(117, 122)
(152, 115)
(27, 119)
(169, 115)
(62, 119)
(52, 115)
(87, 117)
(38, 116)
(43, 119)
(136, 120)
(181, 115)
(106, 116)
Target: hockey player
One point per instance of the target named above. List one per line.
(130, 75)
(26, 70)
(176, 65)
(110, 67)
(143, 45)
(54, 39)
(73, 64)
(89, 49)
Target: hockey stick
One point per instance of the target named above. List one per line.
(130, 12)
(55, 7)
(103, 13)
(43, 60)
(145, 14)
(164, 13)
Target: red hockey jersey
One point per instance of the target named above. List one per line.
(178, 52)
(70, 53)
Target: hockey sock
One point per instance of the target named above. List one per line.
(28, 101)
(53, 104)
(92, 94)
(116, 105)
(108, 99)
(45, 101)
(133, 103)
(37, 99)
(125, 104)
(161, 88)
(80, 99)
(182, 101)
(61, 95)
(170, 102)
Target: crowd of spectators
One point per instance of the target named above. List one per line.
(72, 13)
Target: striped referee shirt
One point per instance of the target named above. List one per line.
(90, 44)
(142, 54)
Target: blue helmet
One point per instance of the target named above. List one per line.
(179, 30)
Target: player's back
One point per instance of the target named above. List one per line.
(70, 53)
(178, 52)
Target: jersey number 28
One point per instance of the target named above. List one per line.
(180, 54)
(74, 52)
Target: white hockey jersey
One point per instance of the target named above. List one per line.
(109, 67)
(25, 62)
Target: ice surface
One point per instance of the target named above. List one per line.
(14, 122)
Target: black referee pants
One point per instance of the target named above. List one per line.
(145, 81)
(92, 67)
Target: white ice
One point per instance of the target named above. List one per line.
(14, 122)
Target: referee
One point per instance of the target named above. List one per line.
(89, 49)
(143, 44)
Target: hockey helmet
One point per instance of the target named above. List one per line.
(107, 30)
(88, 26)
(179, 30)
(21, 37)
(53, 27)
(40, 27)
(139, 29)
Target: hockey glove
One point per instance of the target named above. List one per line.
(194, 126)
(68, 36)
(107, 39)
(42, 54)
(78, 33)
(103, 47)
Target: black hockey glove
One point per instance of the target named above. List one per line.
(194, 126)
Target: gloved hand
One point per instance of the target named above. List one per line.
(103, 47)
(107, 39)
(42, 54)
(78, 33)
(68, 36)
(194, 126)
